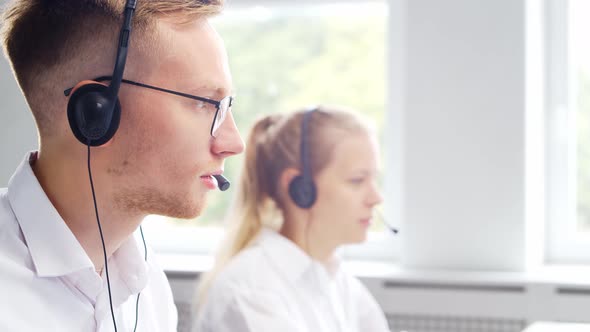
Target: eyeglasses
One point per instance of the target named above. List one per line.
(222, 107)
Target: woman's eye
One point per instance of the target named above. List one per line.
(356, 180)
(200, 104)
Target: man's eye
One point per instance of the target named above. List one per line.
(201, 104)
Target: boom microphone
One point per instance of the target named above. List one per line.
(391, 228)
(222, 183)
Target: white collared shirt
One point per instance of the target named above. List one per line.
(48, 282)
(275, 286)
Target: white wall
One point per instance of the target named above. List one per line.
(17, 129)
(462, 116)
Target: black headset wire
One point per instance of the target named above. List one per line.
(113, 91)
(104, 251)
(145, 258)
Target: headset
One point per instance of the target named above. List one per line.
(302, 189)
(94, 111)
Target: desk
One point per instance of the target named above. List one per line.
(557, 327)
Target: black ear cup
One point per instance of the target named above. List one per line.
(92, 117)
(302, 192)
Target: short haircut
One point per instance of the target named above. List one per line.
(42, 38)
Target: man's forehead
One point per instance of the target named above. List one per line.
(195, 43)
(169, 27)
(194, 59)
(210, 89)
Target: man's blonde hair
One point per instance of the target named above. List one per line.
(44, 39)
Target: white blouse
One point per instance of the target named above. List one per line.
(275, 286)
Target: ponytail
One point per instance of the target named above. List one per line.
(252, 206)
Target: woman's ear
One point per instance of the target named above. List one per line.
(285, 179)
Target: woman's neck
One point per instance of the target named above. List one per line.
(299, 232)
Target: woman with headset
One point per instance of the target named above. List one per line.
(308, 187)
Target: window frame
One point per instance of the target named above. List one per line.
(563, 244)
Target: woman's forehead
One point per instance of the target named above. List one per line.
(357, 151)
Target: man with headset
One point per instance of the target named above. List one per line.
(118, 140)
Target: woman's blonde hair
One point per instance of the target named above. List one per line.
(273, 146)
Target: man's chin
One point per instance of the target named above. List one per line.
(181, 206)
(188, 210)
(192, 214)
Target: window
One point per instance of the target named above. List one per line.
(283, 57)
(568, 132)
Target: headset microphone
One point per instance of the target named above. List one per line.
(222, 183)
(391, 228)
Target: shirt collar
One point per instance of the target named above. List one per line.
(131, 265)
(54, 249)
(292, 261)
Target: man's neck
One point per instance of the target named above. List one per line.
(67, 186)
